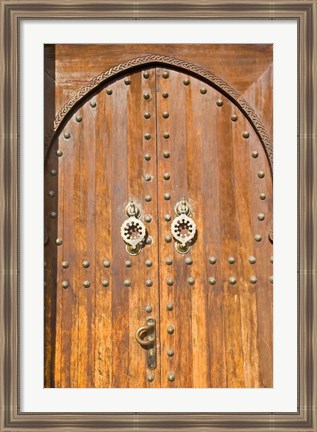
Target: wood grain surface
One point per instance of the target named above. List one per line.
(11, 417)
(223, 332)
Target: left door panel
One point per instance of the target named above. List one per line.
(105, 158)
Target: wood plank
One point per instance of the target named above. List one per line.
(103, 251)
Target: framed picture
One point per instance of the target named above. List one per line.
(158, 307)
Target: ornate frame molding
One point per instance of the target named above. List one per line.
(304, 417)
(152, 60)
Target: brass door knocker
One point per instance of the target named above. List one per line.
(183, 227)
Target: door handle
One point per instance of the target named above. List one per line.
(133, 230)
(183, 227)
(146, 336)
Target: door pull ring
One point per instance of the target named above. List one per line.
(145, 336)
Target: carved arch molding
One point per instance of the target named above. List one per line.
(173, 63)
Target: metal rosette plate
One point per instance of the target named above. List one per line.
(133, 232)
(183, 229)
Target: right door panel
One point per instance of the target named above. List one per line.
(216, 300)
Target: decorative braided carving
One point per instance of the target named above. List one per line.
(259, 128)
(184, 66)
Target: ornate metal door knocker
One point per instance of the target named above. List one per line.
(133, 230)
(183, 227)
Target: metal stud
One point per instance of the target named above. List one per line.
(170, 281)
(148, 263)
(245, 134)
(149, 240)
(150, 378)
(169, 306)
(148, 218)
(86, 264)
(234, 117)
(261, 174)
(167, 217)
(127, 282)
(148, 198)
(166, 176)
(171, 377)
(271, 259)
(167, 196)
(148, 283)
(65, 284)
(165, 114)
(53, 172)
(165, 95)
(148, 308)
(147, 136)
(169, 261)
(170, 329)
(254, 154)
(165, 74)
(128, 263)
(168, 238)
(146, 95)
(188, 261)
(261, 216)
(271, 279)
(253, 279)
(147, 115)
(166, 135)
(231, 260)
(203, 90)
(211, 281)
(147, 177)
(252, 260)
(59, 241)
(170, 353)
(105, 283)
(146, 75)
(86, 284)
(191, 280)
(186, 82)
(66, 135)
(257, 237)
(166, 154)
(78, 118)
(232, 280)
(262, 196)
(127, 81)
(212, 260)
(51, 193)
(53, 214)
(109, 92)
(45, 264)
(59, 152)
(106, 263)
(93, 104)
(219, 102)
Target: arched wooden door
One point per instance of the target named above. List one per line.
(154, 149)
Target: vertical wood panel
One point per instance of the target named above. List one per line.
(197, 107)
(119, 192)
(243, 196)
(212, 249)
(103, 251)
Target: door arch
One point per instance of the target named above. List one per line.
(153, 135)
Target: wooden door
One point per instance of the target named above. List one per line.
(156, 136)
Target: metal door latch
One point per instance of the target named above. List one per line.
(146, 337)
